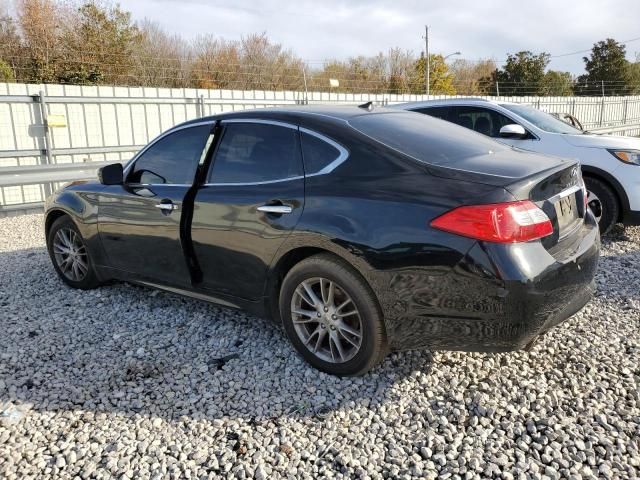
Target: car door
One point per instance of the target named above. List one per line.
(139, 221)
(251, 202)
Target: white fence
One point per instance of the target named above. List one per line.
(109, 124)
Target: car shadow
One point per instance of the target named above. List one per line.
(134, 350)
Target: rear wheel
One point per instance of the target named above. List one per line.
(70, 255)
(332, 317)
(603, 203)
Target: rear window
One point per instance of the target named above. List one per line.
(424, 138)
(317, 153)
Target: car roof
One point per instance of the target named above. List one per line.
(297, 113)
(450, 101)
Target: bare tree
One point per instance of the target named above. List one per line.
(469, 75)
(160, 59)
(400, 67)
(268, 65)
(215, 63)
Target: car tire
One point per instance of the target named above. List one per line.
(329, 319)
(603, 203)
(70, 255)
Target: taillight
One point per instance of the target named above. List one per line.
(497, 222)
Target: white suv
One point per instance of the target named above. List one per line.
(610, 164)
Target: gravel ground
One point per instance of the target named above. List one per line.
(129, 382)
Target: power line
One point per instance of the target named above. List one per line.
(589, 49)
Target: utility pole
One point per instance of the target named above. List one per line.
(426, 51)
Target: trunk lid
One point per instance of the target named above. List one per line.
(555, 185)
(561, 194)
(500, 168)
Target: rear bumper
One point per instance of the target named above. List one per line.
(498, 298)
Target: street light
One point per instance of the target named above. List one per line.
(451, 55)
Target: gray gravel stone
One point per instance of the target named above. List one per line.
(128, 382)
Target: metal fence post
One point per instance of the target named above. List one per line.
(200, 106)
(42, 102)
(304, 79)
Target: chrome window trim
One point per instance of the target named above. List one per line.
(131, 162)
(565, 193)
(136, 185)
(341, 158)
(242, 184)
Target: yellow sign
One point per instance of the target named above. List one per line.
(56, 120)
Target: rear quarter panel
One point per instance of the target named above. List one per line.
(374, 212)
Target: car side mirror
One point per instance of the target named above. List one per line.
(513, 131)
(111, 174)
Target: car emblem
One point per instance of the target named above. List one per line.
(574, 172)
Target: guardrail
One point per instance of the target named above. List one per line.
(617, 128)
(38, 174)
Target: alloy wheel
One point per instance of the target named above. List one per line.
(327, 320)
(70, 254)
(595, 205)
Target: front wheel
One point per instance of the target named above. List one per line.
(603, 203)
(332, 317)
(70, 255)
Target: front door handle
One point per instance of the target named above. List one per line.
(278, 209)
(169, 207)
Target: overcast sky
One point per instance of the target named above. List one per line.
(320, 30)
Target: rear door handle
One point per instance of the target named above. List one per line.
(167, 206)
(279, 209)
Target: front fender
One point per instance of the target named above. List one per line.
(80, 203)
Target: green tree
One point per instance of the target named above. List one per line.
(607, 70)
(440, 78)
(10, 49)
(557, 84)
(6, 72)
(99, 45)
(522, 74)
(40, 23)
(633, 77)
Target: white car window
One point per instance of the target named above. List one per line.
(542, 120)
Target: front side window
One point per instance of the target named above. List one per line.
(483, 120)
(542, 120)
(256, 152)
(173, 159)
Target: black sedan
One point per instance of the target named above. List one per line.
(360, 230)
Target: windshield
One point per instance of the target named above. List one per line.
(542, 120)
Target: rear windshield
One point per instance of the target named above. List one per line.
(424, 138)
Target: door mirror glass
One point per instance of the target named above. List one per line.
(513, 131)
(111, 174)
